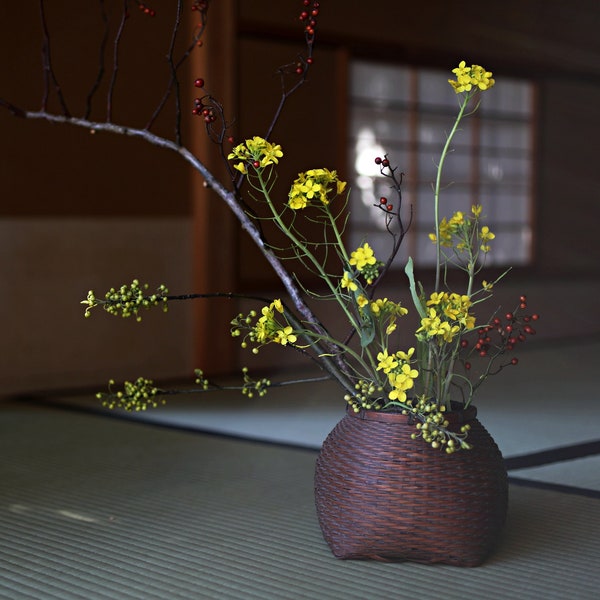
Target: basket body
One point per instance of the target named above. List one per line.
(382, 495)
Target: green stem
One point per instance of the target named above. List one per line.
(304, 250)
(438, 180)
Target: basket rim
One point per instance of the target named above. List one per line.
(459, 415)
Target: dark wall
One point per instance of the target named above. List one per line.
(553, 43)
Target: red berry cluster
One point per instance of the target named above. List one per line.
(511, 330)
(201, 5)
(385, 205)
(309, 16)
(146, 9)
(203, 110)
(383, 164)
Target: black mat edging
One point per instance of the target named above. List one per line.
(554, 487)
(553, 455)
(521, 462)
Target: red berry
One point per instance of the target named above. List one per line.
(514, 361)
(385, 162)
(508, 328)
(378, 160)
(390, 207)
(523, 299)
(383, 200)
(199, 83)
(464, 343)
(535, 317)
(509, 316)
(256, 164)
(467, 365)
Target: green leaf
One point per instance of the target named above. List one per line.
(408, 269)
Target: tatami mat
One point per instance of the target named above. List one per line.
(95, 508)
(549, 401)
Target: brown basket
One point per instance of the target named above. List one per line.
(382, 495)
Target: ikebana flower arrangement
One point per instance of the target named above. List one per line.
(454, 352)
(409, 472)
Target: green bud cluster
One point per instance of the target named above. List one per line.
(365, 396)
(201, 380)
(137, 395)
(251, 386)
(371, 272)
(432, 426)
(128, 300)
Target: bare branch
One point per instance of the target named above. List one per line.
(113, 79)
(49, 76)
(102, 50)
(174, 67)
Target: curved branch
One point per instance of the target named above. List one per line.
(228, 196)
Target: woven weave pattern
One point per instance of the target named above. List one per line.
(382, 495)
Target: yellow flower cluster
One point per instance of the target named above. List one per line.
(485, 235)
(315, 184)
(447, 315)
(268, 329)
(400, 374)
(362, 257)
(257, 152)
(461, 227)
(449, 228)
(382, 308)
(469, 77)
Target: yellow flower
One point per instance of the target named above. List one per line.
(285, 335)
(277, 305)
(257, 150)
(298, 202)
(485, 236)
(383, 305)
(406, 356)
(348, 283)
(467, 77)
(445, 229)
(362, 301)
(314, 184)
(436, 298)
(401, 381)
(386, 362)
(362, 257)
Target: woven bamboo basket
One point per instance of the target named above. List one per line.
(382, 495)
